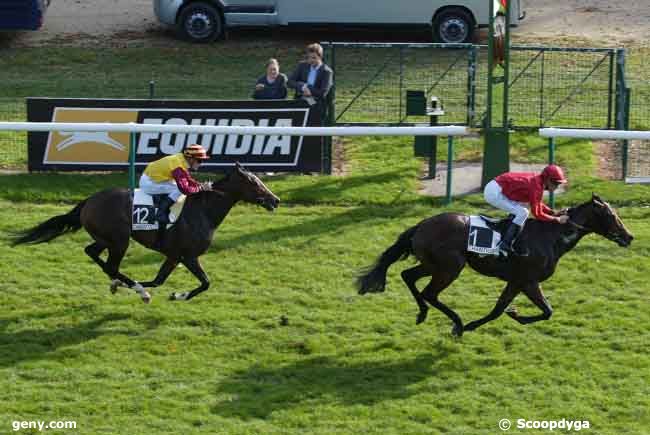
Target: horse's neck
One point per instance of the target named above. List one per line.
(568, 238)
(562, 238)
(570, 235)
(213, 209)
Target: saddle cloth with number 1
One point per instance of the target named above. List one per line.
(482, 239)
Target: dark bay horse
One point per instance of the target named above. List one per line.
(440, 245)
(106, 216)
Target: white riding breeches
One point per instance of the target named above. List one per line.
(153, 188)
(495, 197)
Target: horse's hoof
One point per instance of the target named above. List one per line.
(178, 296)
(144, 295)
(512, 312)
(114, 285)
(457, 331)
(422, 316)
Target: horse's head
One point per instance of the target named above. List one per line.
(246, 186)
(601, 219)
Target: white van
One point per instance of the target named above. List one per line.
(451, 21)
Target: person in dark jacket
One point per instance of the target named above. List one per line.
(272, 85)
(312, 80)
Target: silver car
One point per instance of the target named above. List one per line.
(449, 21)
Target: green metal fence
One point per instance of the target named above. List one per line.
(637, 78)
(561, 87)
(548, 85)
(372, 79)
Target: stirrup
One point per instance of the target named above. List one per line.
(504, 252)
(520, 252)
(508, 251)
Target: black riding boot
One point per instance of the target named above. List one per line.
(162, 216)
(507, 244)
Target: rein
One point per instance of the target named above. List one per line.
(578, 226)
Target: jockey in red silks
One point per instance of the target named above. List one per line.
(513, 192)
(171, 175)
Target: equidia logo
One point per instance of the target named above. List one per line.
(81, 137)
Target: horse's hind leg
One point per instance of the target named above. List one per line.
(507, 295)
(410, 277)
(111, 268)
(94, 250)
(439, 282)
(535, 294)
(193, 266)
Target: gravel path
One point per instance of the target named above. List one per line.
(87, 22)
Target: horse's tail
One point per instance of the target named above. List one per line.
(51, 228)
(373, 279)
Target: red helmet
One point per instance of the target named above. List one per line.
(196, 152)
(554, 173)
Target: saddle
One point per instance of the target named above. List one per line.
(498, 225)
(485, 233)
(145, 207)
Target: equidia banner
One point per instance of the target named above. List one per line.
(70, 151)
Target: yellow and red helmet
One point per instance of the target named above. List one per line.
(196, 152)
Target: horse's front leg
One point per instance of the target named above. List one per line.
(535, 294)
(193, 266)
(165, 270)
(508, 294)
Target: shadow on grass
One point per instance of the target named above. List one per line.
(329, 189)
(74, 187)
(316, 227)
(44, 343)
(64, 187)
(258, 392)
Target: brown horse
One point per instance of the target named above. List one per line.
(440, 245)
(106, 216)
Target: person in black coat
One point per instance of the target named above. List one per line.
(272, 85)
(312, 79)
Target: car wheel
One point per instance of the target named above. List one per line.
(453, 26)
(200, 22)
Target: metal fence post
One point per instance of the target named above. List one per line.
(450, 158)
(132, 162)
(329, 118)
(152, 85)
(471, 86)
(551, 160)
(611, 90)
(401, 81)
(541, 90)
(626, 125)
(621, 86)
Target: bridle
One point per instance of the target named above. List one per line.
(614, 238)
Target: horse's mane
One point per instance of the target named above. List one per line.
(573, 210)
(221, 182)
